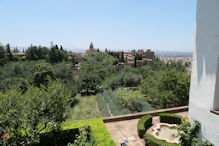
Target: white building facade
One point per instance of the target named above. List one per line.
(204, 89)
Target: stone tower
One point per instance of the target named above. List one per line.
(91, 46)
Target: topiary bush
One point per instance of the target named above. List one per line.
(152, 141)
(143, 124)
(170, 118)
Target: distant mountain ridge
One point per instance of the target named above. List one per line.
(173, 54)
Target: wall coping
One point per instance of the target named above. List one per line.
(139, 115)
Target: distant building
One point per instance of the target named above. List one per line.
(91, 50)
(140, 52)
(19, 54)
(149, 54)
(76, 55)
(147, 58)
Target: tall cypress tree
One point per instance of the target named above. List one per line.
(2, 55)
(73, 60)
(122, 57)
(135, 62)
(40, 53)
(56, 47)
(9, 54)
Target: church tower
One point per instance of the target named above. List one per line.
(91, 46)
(91, 49)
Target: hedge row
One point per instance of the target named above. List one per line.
(170, 118)
(63, 137)
(143, 124)
(99, 131)
(102, 106)
(152, 141)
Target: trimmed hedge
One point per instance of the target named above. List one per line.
(152, 141)
(143, 124)
(99, 131)
(62, 138)
(170, 118)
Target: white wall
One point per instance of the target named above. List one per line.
(204, 69)
(216, 93)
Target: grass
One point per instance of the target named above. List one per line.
(85, 109)
(100, 133)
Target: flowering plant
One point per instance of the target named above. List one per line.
(83, 138)
(189, 134)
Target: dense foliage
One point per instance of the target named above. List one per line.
(57, 55)
(36, 53)
(166, 87)
(95, 68)
(41, 72)
(19, 73)
(54, 54)
(126, 78)
(23, 116)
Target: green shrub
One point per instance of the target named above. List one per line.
(8, 83)
(170, 118)
(58, 138)
(152, 141)
(115, 108)
(143, 124)
(125, 111)
(84, 138)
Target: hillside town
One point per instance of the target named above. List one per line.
(133, 58)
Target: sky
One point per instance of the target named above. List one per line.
(160, 25)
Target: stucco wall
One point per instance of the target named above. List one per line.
(204, 69)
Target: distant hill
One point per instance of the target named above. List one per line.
(173, 54)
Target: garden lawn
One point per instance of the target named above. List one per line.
(84, 109)
(100, 133)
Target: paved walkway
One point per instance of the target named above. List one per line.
(127, 130)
